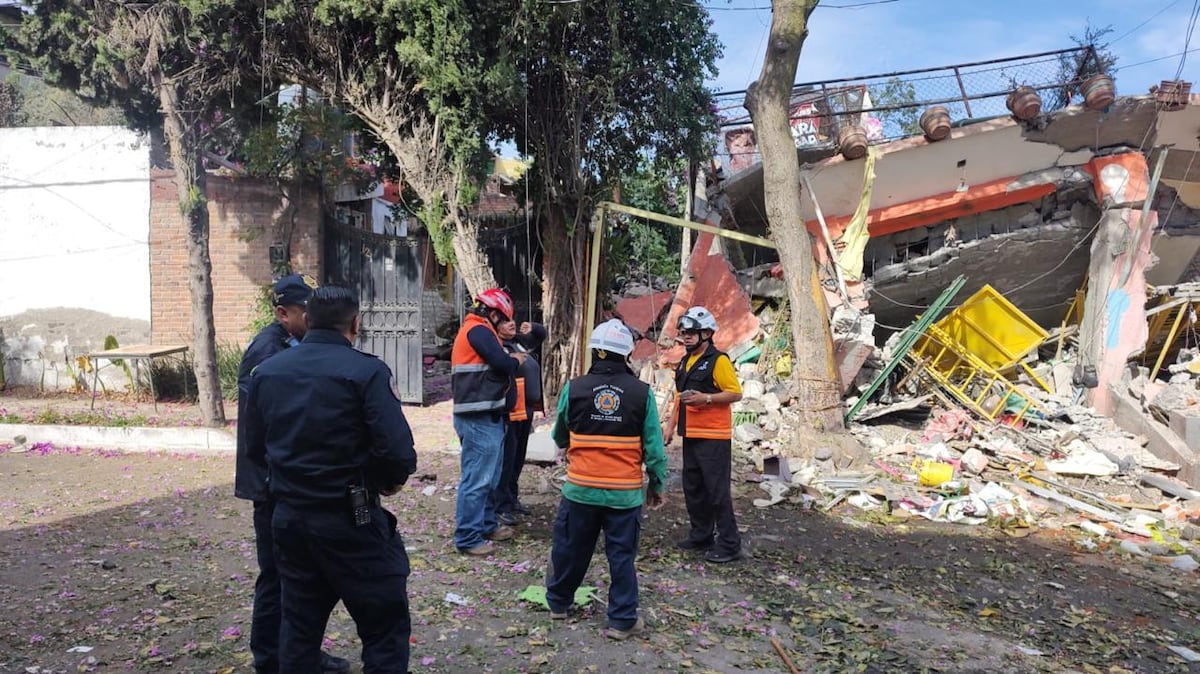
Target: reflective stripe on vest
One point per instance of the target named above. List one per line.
(475, 385)
(519, 411)
(605, 461)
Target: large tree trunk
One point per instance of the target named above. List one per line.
(471, 261)
(768, 100)
(190, 187)
(426, 172)
(562, 291)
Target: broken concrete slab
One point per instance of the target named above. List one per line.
(1162, 441)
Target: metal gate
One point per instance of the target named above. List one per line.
(386, 272)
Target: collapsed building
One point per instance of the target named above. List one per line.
(1074, 236)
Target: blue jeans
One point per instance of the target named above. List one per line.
(576, 529)
(482, 440)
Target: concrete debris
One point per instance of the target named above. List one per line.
(1027, 448)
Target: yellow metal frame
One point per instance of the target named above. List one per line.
(993, 330)
(1173, 310)
(966, 377)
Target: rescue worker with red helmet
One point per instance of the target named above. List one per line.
(703, 417)
(481, 377)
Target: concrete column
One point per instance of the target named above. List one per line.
(1114, 318)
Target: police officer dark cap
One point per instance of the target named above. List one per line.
(293, 289)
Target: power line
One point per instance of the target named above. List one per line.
(1187, 41)
(1133, 30)
(83, 251)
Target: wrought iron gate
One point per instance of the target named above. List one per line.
(386, 271)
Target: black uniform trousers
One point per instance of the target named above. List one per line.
(707, 469)
(516, 444)
(322, 557)
(264, 623)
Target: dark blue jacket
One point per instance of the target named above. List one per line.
(531, 370)
(322, 416)
(249, 481)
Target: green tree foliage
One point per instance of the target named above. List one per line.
(12, 103)
(45, 105)
(175, 65)
(643, 250)
(895, 92)
(606, 83)
(423, 76)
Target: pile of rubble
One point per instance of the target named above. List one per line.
(1019, 454)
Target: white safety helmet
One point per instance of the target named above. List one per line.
(697, 318)
(612, 335)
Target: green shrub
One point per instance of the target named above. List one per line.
(174, 380)
(264, 311)
(229, 359)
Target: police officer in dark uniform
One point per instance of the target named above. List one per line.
(289, 297)
(323, 418)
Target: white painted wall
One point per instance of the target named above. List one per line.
(74, 220)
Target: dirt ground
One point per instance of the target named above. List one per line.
(147, 561)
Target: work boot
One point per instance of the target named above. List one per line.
(508, 519)
(332, 664)
(482, 550)
(692, 544)
(621, 635)
(719, 557)
(502, 533)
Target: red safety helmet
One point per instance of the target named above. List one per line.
(497, 299)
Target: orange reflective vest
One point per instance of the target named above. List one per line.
(519, 411)
(475, 385)
(709, 422)
(606, 414)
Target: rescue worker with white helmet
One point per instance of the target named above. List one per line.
(608, 422)
(703, 418)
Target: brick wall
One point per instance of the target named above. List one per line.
(242, 213)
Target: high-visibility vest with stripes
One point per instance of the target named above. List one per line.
(709, 422)
(520, 412)
(606, 414)
(475, 385)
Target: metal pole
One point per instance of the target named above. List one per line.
(963, 90)
(594, 278)
(680, 222)
(837, 269)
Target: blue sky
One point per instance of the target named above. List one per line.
(909, 34)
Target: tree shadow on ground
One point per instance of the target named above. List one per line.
(149, 560)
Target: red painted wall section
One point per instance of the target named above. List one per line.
(1120, 179)
(939, 207)
(710, 282)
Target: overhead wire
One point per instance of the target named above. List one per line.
(1133, 30)
(1187, 41)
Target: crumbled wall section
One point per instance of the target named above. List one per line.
(909, 269)
(242, 214)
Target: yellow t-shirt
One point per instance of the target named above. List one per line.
(724, 376)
